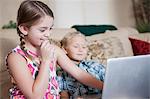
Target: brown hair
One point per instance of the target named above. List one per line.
(69, 36)
(29, 13)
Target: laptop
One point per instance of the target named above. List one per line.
(127, 78)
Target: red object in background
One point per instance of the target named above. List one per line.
(140, 47)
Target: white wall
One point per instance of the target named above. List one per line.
(116, 12)
(71, 12)
(8, 10)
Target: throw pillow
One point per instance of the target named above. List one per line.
(88, 30)
(140, 47)
(107, 45)
(111, 44)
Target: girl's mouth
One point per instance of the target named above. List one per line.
(44, 39)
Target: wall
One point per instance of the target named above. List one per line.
(70, 12)
(8, 10)
(116, 12)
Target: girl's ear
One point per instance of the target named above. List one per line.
(23, 29)
(64, 50)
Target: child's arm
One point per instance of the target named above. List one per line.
(75, 71)
(30, 87)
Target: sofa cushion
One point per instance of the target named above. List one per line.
(105, 47)
(111, 44)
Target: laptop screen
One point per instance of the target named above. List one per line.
(127, 78)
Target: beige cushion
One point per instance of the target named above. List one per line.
(141, 36)
(109, 45)
(128, 30)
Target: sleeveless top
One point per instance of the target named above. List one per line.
(52, 91)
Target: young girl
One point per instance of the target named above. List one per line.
(32, 64)
(75, 46)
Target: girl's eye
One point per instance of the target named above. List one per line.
(42, 30)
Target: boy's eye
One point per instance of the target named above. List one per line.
(50, 28)
(84, 47)
(75, 46)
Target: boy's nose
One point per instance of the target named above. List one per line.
(80, 49)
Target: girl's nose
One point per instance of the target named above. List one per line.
(47, 34)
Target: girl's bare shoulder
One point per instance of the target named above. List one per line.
(15, 58)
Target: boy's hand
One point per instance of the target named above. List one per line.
(64, 95)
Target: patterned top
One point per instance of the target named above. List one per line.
(67, 82)
(52, 91)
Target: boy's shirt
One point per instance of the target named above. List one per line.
(75, 88)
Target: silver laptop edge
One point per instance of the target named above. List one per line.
(127, 78)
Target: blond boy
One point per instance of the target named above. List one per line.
(75, 46)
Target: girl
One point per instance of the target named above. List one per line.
(32, 63)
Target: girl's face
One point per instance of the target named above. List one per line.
(39, 32)
(77, 48)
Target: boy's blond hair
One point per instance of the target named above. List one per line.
(69, 36)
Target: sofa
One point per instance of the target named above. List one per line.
(111, 44)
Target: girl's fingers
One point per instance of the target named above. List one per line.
(47, 50)
(44, 43)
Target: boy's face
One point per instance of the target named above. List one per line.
(77, 48)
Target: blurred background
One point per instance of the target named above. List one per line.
(120, 13)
